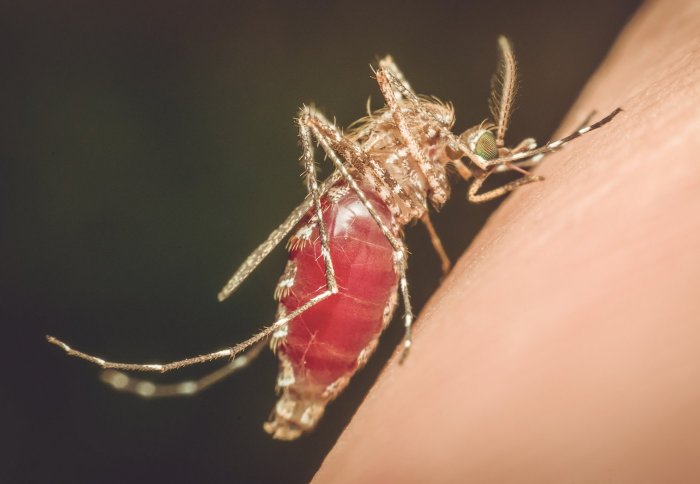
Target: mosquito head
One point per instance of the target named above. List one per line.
(483, 143)
(480, 140)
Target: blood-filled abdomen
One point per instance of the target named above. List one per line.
(321, 349)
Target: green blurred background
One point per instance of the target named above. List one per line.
(148, 148)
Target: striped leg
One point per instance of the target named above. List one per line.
(227, 353)
(524, 148)
(531, 144)
(232, 352)
(149, 389)
(551, 146)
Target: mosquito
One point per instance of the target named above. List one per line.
(347, 260)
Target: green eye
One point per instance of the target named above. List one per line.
(486, 146)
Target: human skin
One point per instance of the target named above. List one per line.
(565, 344)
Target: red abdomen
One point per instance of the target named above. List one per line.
(325, 345)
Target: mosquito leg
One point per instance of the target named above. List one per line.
(551, 146)
(467, 173)
(515, 167)
(312, 185)
(147, 389)
(229, 353)
(402, 91)
(524, 145)
(587, 120)
(332, 287)
(437, 178)
(395, 89)
(328, 137)
(532, 162)
(408, 315)
(496, 192)
(437, 244)
(264, 249)
(348, 155)
(530, 144)
(388, 64)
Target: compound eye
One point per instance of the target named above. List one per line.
(486, 146)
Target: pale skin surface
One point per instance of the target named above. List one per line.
(565, 344)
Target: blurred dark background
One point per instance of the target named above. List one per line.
(147, 149)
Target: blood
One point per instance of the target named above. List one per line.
(324, 342)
